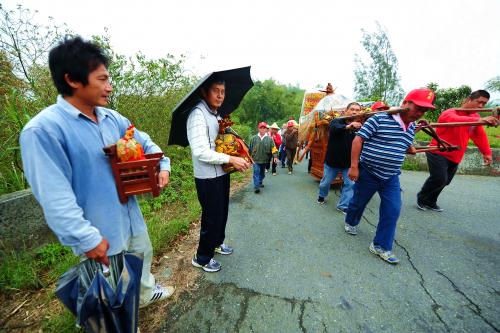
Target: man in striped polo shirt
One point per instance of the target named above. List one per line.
(378, 151)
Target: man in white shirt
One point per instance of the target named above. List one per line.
(212, 183)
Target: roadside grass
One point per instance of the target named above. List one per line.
(61, 322)
(493, 136)
(33, 269)
(36, 271)
(411, 165)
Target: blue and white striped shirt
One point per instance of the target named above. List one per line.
(385, 145)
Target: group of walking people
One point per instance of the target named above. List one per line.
(369, 154)
(269, 146)
(72, 180)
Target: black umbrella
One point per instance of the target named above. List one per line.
(104, 299)
(238, 82)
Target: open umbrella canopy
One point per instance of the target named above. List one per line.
(104, 300)
(237, 81)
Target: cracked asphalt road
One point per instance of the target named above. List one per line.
(295, 270)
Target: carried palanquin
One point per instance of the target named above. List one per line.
(230, 143)
(314, 121)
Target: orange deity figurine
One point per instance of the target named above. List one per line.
(127, 148)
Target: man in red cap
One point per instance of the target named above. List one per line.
(291, 138)
(443, 165)
(377, 153)
(379, 106)
(261, 147)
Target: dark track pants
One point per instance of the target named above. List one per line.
(213, 195)
(441, 172)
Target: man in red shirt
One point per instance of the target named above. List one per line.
(443, 165)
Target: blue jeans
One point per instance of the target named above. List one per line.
(329, 175)
(258, 174)
(390, 205)
(282, 155)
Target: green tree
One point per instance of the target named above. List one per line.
(493, 84)
(446, 98)
(25, 85)
(271, 102)
(26, 43)
(146, 90)
(378, 79)
(7, 78)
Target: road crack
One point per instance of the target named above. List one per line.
(435, 305)
(472, 305)
(301, 316)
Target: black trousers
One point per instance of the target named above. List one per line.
(273, 170)
(441, 172)
(290, 156)
(213, 194)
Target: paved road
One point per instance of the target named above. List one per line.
(295, 269)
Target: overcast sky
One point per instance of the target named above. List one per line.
(451, 42)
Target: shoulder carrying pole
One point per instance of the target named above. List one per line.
(369, 114)
(495, 112)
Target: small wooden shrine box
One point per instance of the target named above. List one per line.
(135, 177)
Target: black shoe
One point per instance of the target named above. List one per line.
(321, 200)
(434, 208)
(257, 190)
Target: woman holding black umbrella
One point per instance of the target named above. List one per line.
(212, 183)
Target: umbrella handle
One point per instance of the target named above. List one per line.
(105, 270)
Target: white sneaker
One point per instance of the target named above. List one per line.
(387, 256)
(351, 230)
(159, 294)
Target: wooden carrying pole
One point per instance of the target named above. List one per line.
(368, 114)
(477, 109)
(424, 149)
(465, 123)
(495, 112)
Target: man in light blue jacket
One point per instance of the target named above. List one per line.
(69, 174)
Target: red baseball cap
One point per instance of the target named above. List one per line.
(290, 123)
(422, 97)
(263, 124)
(379, 105)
